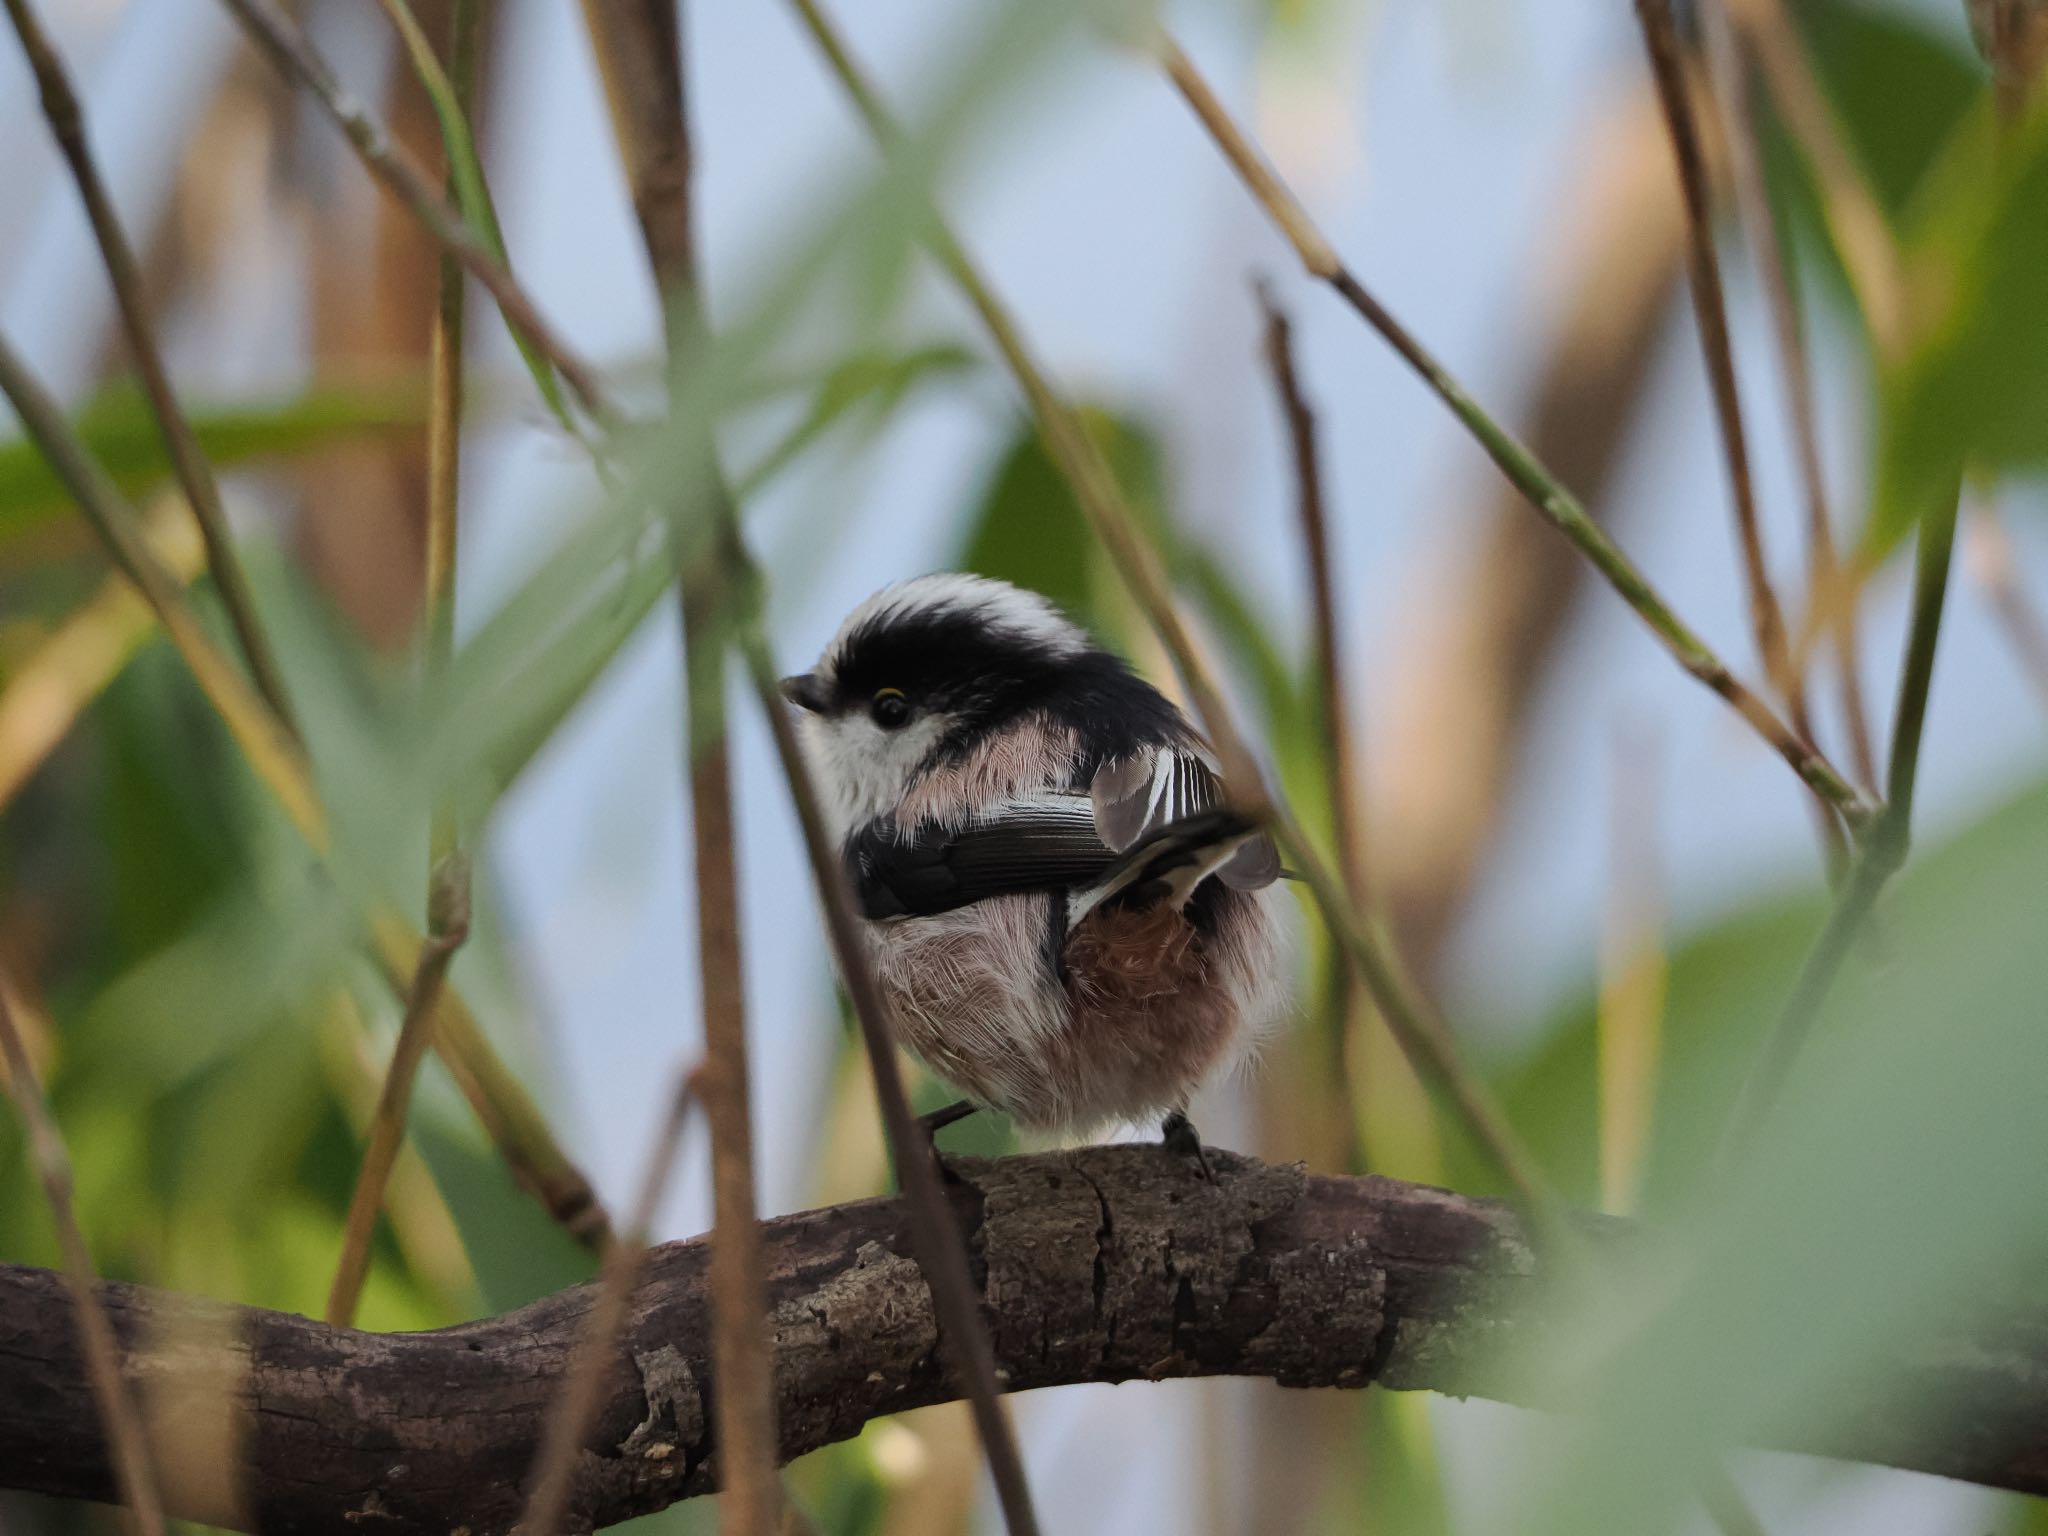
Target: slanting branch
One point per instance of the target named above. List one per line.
(1099, 1265)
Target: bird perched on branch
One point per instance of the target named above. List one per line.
(1070, 923)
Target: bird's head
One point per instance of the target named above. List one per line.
(924, 667)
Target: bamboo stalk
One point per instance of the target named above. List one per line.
(448, 926)
(941, 1256)
(1861, 233)
(1341, 770)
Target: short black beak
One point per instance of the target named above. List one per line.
(805, 692)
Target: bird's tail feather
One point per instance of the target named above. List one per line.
(1169, 864)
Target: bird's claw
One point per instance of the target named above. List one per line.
(1182, 1139)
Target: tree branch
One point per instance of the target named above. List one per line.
(1099, 1265)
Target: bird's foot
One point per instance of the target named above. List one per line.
(931, 1124)
(952, 1114)
(1181, 1138)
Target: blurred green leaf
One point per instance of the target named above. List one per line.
(1252, 645)
(119, 430)
(1027, 529)
(1974, 384)
(173, 817)
(1889, 1200)
(520, 1253)
(1869, 59)
(1724, 986)
(1913, 106)
(1898, 86)
(544, 647)
(840, 1488)
(866, 388)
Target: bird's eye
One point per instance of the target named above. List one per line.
(889, 708)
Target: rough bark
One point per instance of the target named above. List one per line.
(1099, 1265)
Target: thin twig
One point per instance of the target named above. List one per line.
(281, 41)
(1883, 849)
(639, 49)
(194, 474)
(1310, 506)
(448, 889)
(422, 1225)
(500, 1102)
(448, 926)
(940, 1255)
(1341, 768)
(1710, 312)
(142, 1507)
(1987, 555)
(1487, 631)
(496, 1096)
(1537, 484)
(1423, 1036)
(553, 1478)
(1825, 581)
(444, 427)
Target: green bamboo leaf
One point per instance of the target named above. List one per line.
(1283, 694)
(1027, 529)
(1974, 384)
(1726, 981)
(1877, 1206)
(517, 680)
(121, 433)
(1899, 87)
(869, 387)
(1868, 60)
(472, 192)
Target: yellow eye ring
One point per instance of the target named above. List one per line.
(889, 708)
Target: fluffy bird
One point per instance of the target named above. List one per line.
(1070, 924)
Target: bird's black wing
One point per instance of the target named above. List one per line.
(1046, 843)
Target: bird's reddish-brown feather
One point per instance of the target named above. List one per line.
(1147, 1009)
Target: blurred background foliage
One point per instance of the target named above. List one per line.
(194, 981)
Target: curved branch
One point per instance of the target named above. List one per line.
(1098, 1265)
